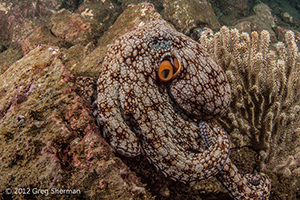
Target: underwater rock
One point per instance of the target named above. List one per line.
(286, 13)
(73, 34)
(134, 15)
(261, 20)
(105, 12)
(234, 7)
(48, 136)
(42, 35)
(8, 57)
(20, 18)
(187, 15)
(258, 18)
(73, 28)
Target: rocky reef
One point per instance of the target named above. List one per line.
(49, 140)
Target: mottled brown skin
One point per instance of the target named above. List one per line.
(251, 186)
(164, 120)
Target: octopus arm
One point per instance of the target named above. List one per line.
(256, 186)
(172, 156)
(204, 164)
(121, 137)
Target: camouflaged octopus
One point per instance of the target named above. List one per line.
(157, 89)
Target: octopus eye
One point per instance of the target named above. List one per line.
(165, 71)
(167, 68)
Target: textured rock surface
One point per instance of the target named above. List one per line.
(246, 16)
(42, 35)
(20, 18)
(286, 12)
(73, 28)
(235, 7)
(17, 20)
(75, 35)
(8, 57)
(188, 15)
(105, 12)
(261, 20)
(64, 29)
(48, 138)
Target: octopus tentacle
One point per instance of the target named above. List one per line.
(256, 186)
(173, 157)
(122, 139)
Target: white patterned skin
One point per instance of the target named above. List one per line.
(164, 120)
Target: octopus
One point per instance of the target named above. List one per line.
(156, 96)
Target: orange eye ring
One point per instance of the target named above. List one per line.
(177, 66)
(166, 69)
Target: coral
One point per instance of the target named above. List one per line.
(264, 112)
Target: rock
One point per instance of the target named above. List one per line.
(5, 24)
(158, 4)
(244, 26)
(286, 13)
(187, 15)
(238, 7)
(261, 20)
(71, 33)
(265, 14)
(42, 35)
(73, 28)
(20, 18)
(134, 15)
(73, 58)
(105, 12)
(8, 57)
(48, 136)
(90, 65)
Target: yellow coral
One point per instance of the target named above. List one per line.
(264, 112)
